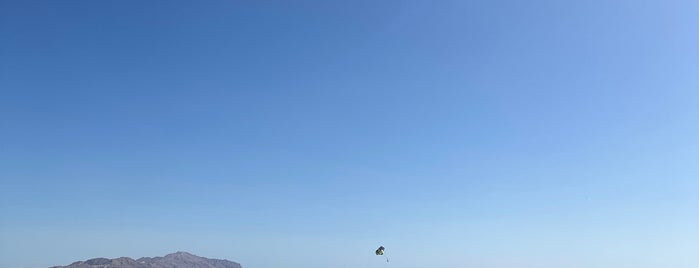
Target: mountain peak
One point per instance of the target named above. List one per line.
(181, 254)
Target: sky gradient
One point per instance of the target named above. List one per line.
(492, 134)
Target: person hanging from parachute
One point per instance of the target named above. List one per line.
(379, 252)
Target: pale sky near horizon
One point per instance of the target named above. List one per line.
(304, 134)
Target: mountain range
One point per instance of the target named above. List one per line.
(175, 260)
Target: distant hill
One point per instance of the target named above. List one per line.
(174, 260)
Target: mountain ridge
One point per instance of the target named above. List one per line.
(178, 259)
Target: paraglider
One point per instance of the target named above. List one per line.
(379, 252)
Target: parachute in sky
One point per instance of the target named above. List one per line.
(380, 250)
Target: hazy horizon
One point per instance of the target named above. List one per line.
(305, 134)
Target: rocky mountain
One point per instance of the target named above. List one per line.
(174, 260)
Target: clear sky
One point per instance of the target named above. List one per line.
(304, 134)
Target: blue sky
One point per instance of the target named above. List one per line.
(279, 134)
